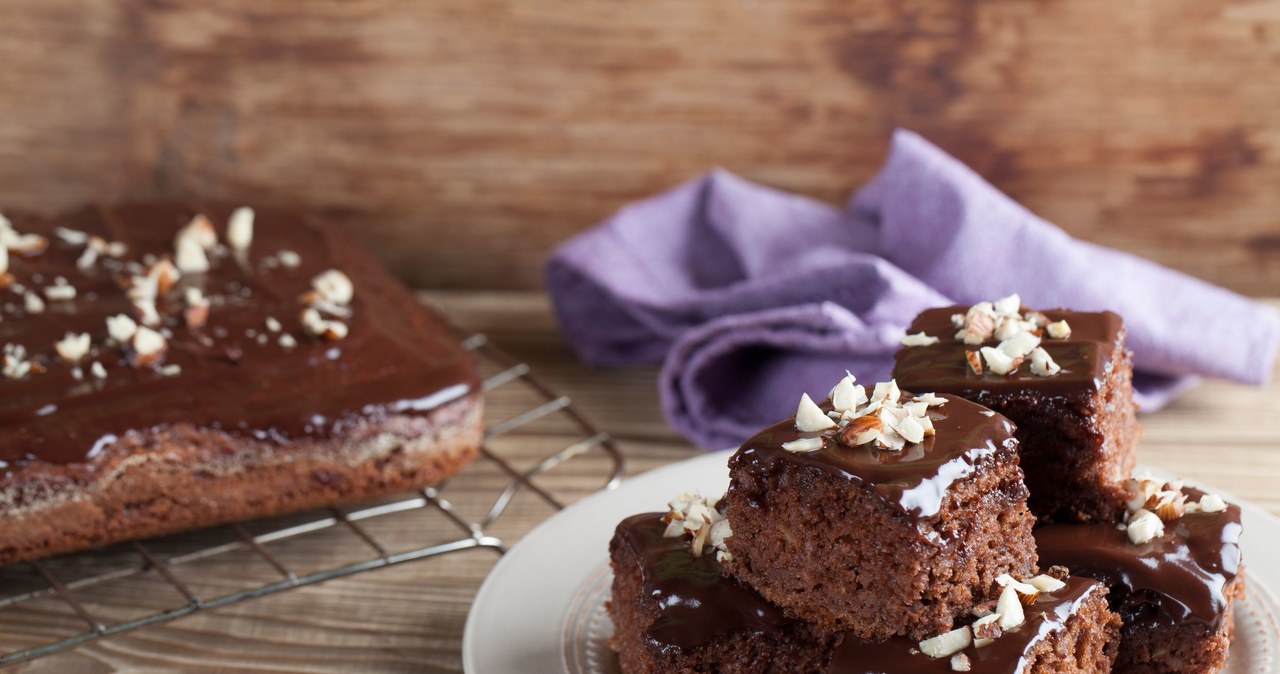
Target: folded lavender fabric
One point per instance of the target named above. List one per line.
(750, 296)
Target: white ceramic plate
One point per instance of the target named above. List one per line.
(542, 608)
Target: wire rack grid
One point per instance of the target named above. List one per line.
(165, 558)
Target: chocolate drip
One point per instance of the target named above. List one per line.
(915, 479)
(1084, 357)
(1180, 577)
(398, 358)
(1006, 655)
(697, 604)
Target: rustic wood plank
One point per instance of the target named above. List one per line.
(463, 139)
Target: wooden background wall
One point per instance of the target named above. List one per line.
(464, 138)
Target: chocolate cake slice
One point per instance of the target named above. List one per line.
(880, 515)
(673, 611)
(1174, 576)
(164, 373)
(1064, 377)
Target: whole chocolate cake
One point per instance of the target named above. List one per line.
(163, 373)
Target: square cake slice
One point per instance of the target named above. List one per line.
(880, 515)
(1065, 627)
(163, 373)
(1174, 570)
(1064, 377)
(674, 611)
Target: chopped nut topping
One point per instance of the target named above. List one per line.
(975, 363)
(810, 418)
(1058, 330)
(690, 513)
(273, 325)
(1042, 364)
(334, 286)
(803, 445)
(1027, 592)
(289, 259)
(171, 370)
(190, 256)
(32, 303)
(287, 341)
(919, 339)
(1019, 345)
(1212, 503)
(947, 643)
(979, 324)
(73, 347)
(318, 326)
(199, 230)
(197, 312)
(240, 228)
(960, 663)
(847, 395)
(97, 370)
(1008, 306)
(1009, 607)
(1046, 583)
(1144, 526)
(60, 291)
(72, 236)
(998, 361)
(149, 347)
(987, 627)
(121, 328)
(861, 430)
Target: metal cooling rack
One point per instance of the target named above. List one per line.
(146, 557)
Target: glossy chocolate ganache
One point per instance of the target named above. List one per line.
(914, 479)
(251, 368)
(1084, 357)
(1182, 576)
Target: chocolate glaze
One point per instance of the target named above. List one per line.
(398, 358)
(915, 479)
(697, 603)
(1006, 655)
(1085, 357)
(1178, 578)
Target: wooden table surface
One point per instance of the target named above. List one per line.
(410, 618)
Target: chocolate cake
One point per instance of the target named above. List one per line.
(1173, 584)
(163, 373)
(1064, 377)
(1069, 631)
(879, 515)
(675, 611)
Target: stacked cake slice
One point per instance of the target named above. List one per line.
(877, 531)
(1169, 555)
(885, 531)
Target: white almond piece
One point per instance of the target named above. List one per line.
(1019, 345)
(72, 236)
(190, 256)
(810, 418)
(1005, 580)
(887, 392)
(957, 321)
(73, 347)
(32, 303)
(1212, 503)
(201, 231)
(121, 328)
(289, 259)
(960, 663)
(60, 291)
(1045, 583)
(1008, 306)
(919, 339)
(240, 228)
(947, 643)
(803, 445)
(148, 346)
(675, 529)
(910, 430)
(4, 260)
(97, 370)
(844, 396)
(1009, 606)
(1042, 364)
(334, 286)
(997, 361)
(932, 399)
(1058, 330)
(287, 341)
(1144, 526)
(719, 532)
(273, 325)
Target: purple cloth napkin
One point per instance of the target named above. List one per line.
(750, 296)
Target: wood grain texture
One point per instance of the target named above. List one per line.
(410, 618)
(464, 138)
